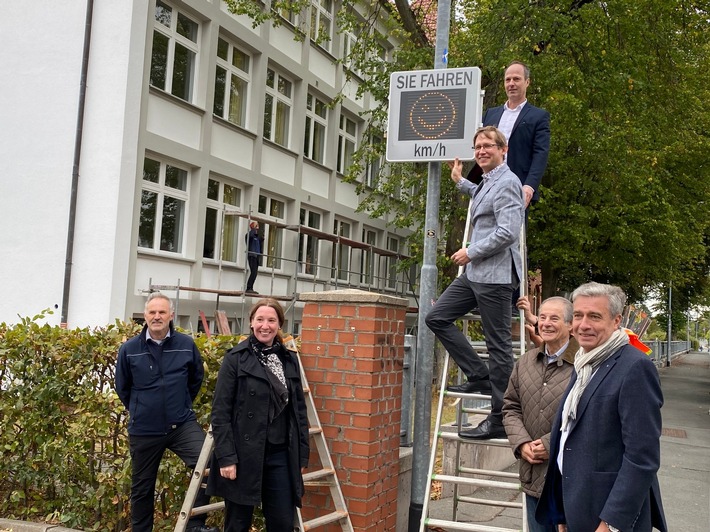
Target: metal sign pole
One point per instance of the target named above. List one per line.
(425, 338)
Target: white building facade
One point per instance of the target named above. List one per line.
(194, 124)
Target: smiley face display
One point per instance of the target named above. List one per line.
(432, 115)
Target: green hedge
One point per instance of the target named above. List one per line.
(63, 429)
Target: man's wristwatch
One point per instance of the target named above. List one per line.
(611, 528)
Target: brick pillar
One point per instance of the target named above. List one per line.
(352, 350)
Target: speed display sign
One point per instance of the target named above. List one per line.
(433, 114)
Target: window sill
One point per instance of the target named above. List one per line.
(231, 125)
(166, 255)
(175, 100)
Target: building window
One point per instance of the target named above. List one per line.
(367, 259)
(173, 63)
(273, 233)
(232, 77)
(372, 173)
(224, 201)
(349, 51)
(347, 143)
(308, 245)
(322, 22)
(277, 111)
(392, 245)
(340, 259)
(288, 12)
(163, 206)
(316, 126)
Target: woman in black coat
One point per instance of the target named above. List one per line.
(260, 427)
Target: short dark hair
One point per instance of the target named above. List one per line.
(526, 70)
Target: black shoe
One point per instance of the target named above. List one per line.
(202, 528)
(486, 430)
(477, 386)
(251, 292)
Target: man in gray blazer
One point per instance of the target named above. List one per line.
(493, 271)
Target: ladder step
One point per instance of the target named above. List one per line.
(199, 510)
(496, 442)
(490, 473)
(479, 482)
(468, 395)
(317, 475)
(471, 527)
(324, 520)
(489, 502)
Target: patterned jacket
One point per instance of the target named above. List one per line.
(530, 403)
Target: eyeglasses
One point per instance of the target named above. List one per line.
(486, 147)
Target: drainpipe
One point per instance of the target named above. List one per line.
(77, 159)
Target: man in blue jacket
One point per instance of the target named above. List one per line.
(158, 375)
(526, 129)
(605, 442)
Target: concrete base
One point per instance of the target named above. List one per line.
(404, 496)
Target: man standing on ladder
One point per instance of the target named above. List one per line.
(158, 375)
(492, 274)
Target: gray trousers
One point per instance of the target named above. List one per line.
(494, 302)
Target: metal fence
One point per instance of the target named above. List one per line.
(659, 350)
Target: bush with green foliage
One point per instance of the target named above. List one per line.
(63, 442)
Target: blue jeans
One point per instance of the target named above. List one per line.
(534, 526)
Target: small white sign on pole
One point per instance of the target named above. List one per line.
(433, 114)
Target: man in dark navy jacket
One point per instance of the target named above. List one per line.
(526, 128)
(158, 375)
(605, 440)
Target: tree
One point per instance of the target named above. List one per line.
(627, 190)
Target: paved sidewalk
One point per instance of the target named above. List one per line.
(685, 455)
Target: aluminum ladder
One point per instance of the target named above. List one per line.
(325, 476)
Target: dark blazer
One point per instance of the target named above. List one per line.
(239, 424)
(528, 146)
(612, 452)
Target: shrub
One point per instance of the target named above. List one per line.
(63, 442)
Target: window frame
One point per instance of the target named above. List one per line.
(175, 38)
(273, 233)
(232, 71)
(344, 137)
(341, 252)
(225, 215)
(318, 13)
(161, 190)
(309, 244)
(315, 123)
(278, 98)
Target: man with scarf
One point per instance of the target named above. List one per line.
(605, 444)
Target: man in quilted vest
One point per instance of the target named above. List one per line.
(534, 391)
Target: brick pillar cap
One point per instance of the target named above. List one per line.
(352, 295)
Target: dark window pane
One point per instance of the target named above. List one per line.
(182, 72)
(175, 177)
(222, 48)
(212, 189)
(146, 226)
(151, 170)
(220, 84)
(163, 13)
(159, 61)
(173, 217)
(268, 110)
(210, 234)
(186, 27)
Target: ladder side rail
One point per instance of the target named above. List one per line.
(195, 482)
(434, 443)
